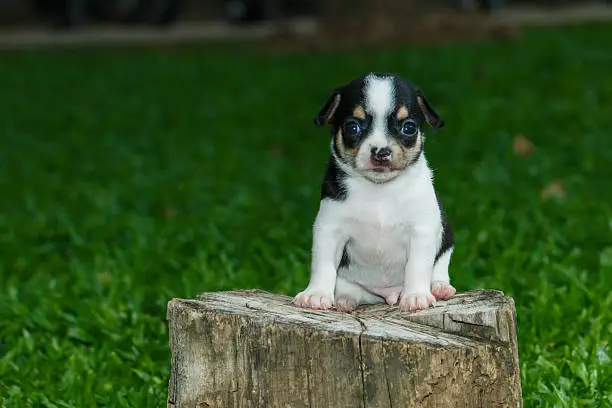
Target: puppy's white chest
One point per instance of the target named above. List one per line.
(379, 223)
(379, 232)
(375, 244)
(378, 213)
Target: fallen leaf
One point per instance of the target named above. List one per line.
(553, 190)
(104, 278)
(276, 151)
(522, 146)
(169, 212)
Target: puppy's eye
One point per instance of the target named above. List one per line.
(352, 128)
(409, 128)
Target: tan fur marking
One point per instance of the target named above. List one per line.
(332, 108)
(339, 143)
(404, 155)
(412, 153)
(425, 110)
(359, 112)
(347, 155)
(402, 113)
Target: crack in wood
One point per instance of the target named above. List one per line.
(362, 370)
(486, 326)
(308, 373)
(386, 375)
(361, 362)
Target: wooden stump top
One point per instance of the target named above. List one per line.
(251, 348)
(482, 315)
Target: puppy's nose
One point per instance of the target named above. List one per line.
(384, 153)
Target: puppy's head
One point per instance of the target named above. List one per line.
(377, 125)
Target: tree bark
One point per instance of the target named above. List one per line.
(255, 349)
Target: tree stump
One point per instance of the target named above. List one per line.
(255, 349)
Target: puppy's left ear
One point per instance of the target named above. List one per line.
(328, 110)
(431, 116)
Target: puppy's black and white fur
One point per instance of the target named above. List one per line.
(380, 234)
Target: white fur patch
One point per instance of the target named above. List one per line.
(379, 97)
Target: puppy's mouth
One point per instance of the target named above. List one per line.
(381, 169)
(381, 166)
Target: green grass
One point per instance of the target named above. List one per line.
(128, 178)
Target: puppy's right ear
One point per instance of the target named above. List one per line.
(328, 110)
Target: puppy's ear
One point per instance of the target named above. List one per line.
(329, 109)
(431, 116)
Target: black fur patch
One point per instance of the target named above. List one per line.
(448, 236)
(345, 261)
(333, 183)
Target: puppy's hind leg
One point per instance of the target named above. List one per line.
(349, 295)
(440, 281)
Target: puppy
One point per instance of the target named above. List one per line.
(380, 234)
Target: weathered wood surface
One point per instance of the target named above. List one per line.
(255, 349)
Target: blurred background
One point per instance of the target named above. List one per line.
(158, 149)
(123, 21)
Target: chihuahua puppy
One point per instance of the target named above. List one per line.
(380, 234)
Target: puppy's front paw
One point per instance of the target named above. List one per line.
(314, 299)
(392, 298)
(346, 304)
(442, 290)
(411, 302)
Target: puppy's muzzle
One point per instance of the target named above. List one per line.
(381, 157)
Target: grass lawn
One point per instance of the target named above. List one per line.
(128, 178)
